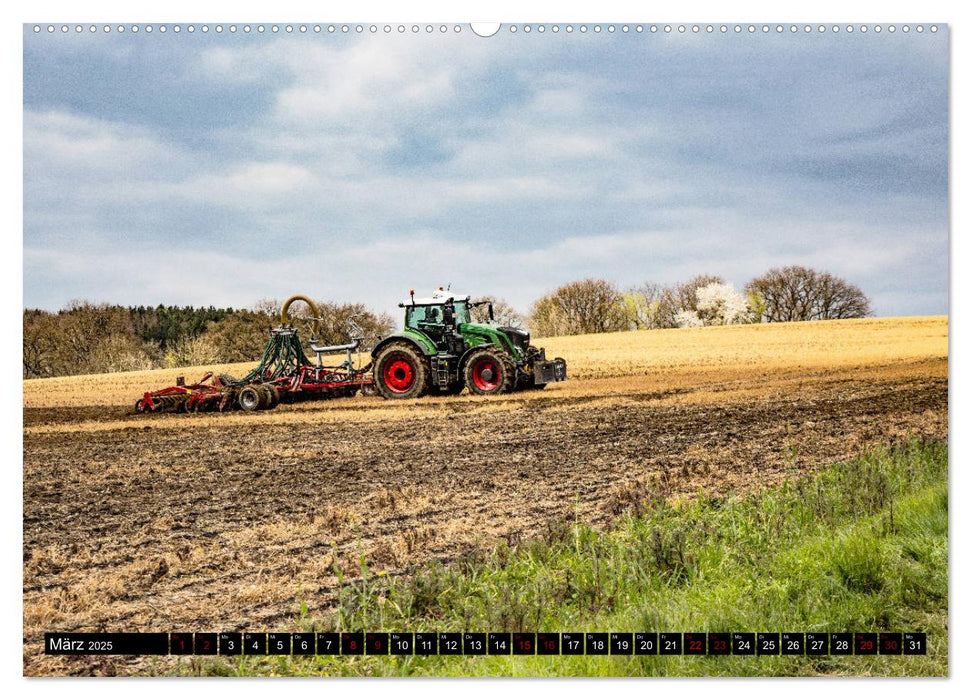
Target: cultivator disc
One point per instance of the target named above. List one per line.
(165, 402)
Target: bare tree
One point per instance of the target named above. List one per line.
(797, 293)
(120, 353)
(546, 318)
(82, 327)
(243, 336)
(192, 351)
(586, 306)
(39, 343)
(268, 307)
(502, 311)
(334, 323)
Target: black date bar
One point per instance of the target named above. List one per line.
(150, 643)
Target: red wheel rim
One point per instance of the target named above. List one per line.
(486, 375)
(398, 374)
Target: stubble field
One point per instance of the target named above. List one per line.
(241, 521)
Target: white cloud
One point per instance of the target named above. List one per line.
(251, 185)
(350, 84)
(399, 164)
(88, 147)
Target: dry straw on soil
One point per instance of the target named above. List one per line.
(229, 521)
(821, 344)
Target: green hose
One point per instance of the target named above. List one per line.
(282, 357)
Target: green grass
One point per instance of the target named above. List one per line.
(860, 546)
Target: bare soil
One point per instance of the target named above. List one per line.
(219, 523)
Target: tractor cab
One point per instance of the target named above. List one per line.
(441, 349)
(439, 310)
(439, 318)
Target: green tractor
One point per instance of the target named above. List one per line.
(441, 351)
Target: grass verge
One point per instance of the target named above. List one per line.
(860, 546)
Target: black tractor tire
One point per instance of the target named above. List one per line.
(401, 372)
(227, 379)
(272, 395)
(251, 398)
(488, 372)
(266, 398)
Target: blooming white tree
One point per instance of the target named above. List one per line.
(717, 305)
(722, 305)
(686, 318)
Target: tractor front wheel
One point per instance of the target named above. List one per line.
(400, 372)
(489, 372)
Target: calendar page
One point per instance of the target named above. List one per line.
(515, 349)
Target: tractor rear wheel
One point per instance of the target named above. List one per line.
(489, 372)
(400, 372)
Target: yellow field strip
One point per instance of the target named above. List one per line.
(614, 357)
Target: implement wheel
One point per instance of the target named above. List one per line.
(400, 372)
(251, 398)
(489, 372)
(272, 395)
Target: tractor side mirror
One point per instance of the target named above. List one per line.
(448, 315)
(492, 315)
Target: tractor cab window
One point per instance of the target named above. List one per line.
(418, 317)
(423, 315)
(462, 312)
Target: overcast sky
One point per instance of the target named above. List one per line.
(225, 168)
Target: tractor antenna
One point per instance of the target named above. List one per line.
(449, 287)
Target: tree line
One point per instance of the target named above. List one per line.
(792, 293)
(88, 338)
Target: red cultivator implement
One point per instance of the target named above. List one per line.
(177, 398)
(284, 373)
(440, 350)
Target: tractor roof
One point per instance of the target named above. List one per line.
(440, 296)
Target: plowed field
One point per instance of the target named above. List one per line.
(229, 522)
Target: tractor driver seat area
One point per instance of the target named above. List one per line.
(433, 324)
(428, 320)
